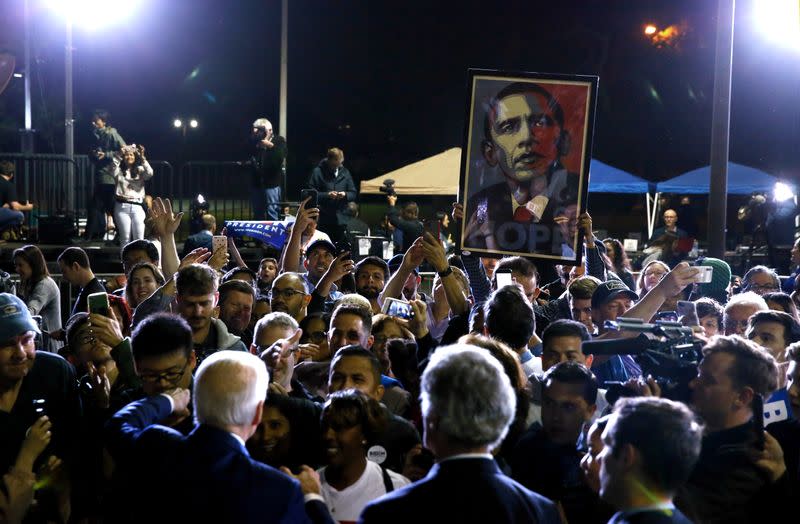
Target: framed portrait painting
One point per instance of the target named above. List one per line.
(525, 164)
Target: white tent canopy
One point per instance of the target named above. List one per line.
(436, 175)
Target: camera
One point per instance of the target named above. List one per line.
(666, 350)
(388, 187)
(260, 133)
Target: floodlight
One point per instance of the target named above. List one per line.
(650, 29)
(779, 20)
(782, 192)
(177, 123)
(193, 123)
(94, 14)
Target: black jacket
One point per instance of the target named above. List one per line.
(324, 180)
(267, 164)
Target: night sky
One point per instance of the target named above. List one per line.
(386, 81)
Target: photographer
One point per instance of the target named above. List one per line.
(406, 222)
(335, 189)
(267, 170)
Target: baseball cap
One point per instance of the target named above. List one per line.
(396, 261)
(609, 290)
(326, 244)
(15, 319)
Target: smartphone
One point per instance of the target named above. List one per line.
(40, 407)
(503, 277)
(433, 227)
(758, 420)
(305, 193)
(687, 312)
(219, 242)
(394, 307)
(705, 275)
(343, 247)
(98, 303)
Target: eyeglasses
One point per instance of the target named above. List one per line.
(756, 288)
(287, 293)
(170, 377)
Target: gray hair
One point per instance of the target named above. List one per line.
(748, 298)
(470, 394)
(276, 319)
(354, 299)
(756, 270)
(228, 387)
(262, 122)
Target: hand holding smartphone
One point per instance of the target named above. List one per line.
(306, 193)
(219, 242)
(98, 303)
(503, 278)
(395, 307)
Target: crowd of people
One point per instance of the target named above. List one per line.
(289, 392)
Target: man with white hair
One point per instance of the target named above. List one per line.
(467, 406)
(208, 476)
(738, 311)
(269, 154)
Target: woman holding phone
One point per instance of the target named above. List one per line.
(39, 292)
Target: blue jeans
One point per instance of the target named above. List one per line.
(9, 218)
(265, 203)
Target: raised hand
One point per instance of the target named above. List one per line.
(434, 252)
(195, 256)
(305, 216)
(180, 399)
(164, 221)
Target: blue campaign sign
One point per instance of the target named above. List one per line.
(271, 232)
(777, 407)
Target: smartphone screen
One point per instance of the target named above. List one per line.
(503, 278)
(398, 308)
(687, 312)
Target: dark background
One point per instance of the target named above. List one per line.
(386, 81)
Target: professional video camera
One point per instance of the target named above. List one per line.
(388, 187)
(666, 350)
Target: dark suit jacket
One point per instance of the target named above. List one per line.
(207, 476)
(462, 490)
(201, 239)
(493, 205)
(651, 517)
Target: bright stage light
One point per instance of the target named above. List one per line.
(177, 123)
(94, 14)
(650, 29)
(783, 192)
(779, 20)
(193, 123)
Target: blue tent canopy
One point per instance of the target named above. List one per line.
(606, 179)
(742, 180)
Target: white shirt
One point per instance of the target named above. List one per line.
(347, 505)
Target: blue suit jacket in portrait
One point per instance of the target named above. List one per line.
(207, 476)
(462, 490)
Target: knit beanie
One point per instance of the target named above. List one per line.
(720, 279)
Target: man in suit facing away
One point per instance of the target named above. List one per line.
(467, 407)
(651, 445)
(208, 476)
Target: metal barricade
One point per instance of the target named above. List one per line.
(224, 185)
(54, 183)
